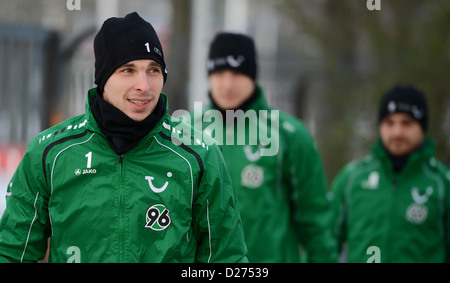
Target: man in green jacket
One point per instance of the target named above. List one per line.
(111, 185)
(274, 165)
(394, 205)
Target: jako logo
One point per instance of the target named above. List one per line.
(80, 172)
(73, 5)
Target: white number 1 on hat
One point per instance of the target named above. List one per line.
(148, 47)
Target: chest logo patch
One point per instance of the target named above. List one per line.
(252, 176)
(372, 181)
(156, 189)
(417, 212)
(252, 156)
(157, 217)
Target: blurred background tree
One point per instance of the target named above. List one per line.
(362, 54)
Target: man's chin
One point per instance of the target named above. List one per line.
(229, 106)
(138, 117)
(399, 152)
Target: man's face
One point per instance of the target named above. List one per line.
(229, 89)
(401, 134)
(135, 87)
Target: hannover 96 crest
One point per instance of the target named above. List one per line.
(157, 217)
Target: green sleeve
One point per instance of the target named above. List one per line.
(338, 217)
(309, 197)
(217, 222)
(24, 226)
(446, 173)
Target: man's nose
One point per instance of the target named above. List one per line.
(142, 83)
(228, 81)
(397, 129)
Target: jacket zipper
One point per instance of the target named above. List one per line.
(121, 245)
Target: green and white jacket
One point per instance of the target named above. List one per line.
(393, 217)
(159, 202)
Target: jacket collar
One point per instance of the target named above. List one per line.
(93, 125)
(426, 152)
(259, 102)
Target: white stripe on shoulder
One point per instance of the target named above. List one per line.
(31, 226)
(56, 157)
(190, 167)
(209, 230)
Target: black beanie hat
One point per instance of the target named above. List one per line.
(121, 40)
(405, 99)
(233, 51)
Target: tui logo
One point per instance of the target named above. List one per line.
(153, 187)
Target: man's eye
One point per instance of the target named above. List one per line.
(407, 123)
(126, 70)
(154, 70)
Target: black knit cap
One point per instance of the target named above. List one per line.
(405, 99)
(234, 52)
(121, 40)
